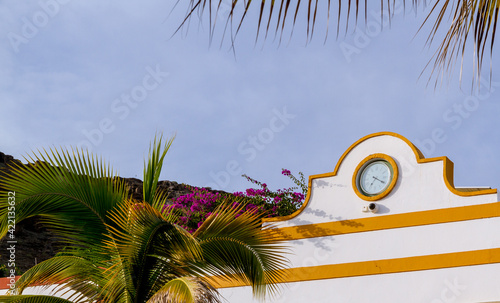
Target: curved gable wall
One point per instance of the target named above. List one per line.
(429, 242)
(423, 184)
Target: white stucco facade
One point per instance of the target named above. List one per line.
(428, 242)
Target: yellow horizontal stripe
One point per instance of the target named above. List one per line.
(408, 264)
(435, 216)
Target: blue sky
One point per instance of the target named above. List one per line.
(107, 76)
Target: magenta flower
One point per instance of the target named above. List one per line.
(195, 207)
(198, 205)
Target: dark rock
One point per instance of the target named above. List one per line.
(4, 159)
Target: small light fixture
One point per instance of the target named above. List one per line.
(373, 207)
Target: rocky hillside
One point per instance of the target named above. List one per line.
(35, 244)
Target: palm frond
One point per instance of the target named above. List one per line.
(121, 250)
(236, 247)
(477, 18)
(79, 278)
(155, 249)
(71, 192)
(161, 203)
(33, 299)
(153, 166)
(186, 289)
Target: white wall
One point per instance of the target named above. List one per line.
(421, 187)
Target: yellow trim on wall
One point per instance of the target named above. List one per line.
(435, 216)
(396, 265)
(447, 173)
(387, 266)
(362, 165)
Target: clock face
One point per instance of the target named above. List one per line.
(375, 177)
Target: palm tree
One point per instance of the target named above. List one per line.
(477, 18)
(121, 250)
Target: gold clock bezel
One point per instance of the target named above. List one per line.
(359, 170)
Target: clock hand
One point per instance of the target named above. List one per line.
(378, 179)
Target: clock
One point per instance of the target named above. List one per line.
(375, 177)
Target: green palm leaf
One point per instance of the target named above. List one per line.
(154, 249)
(33, 299)
(237, 247)
(186, 289)
(69, 192)
(122, 250)
(71, 274)
(152, 168)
